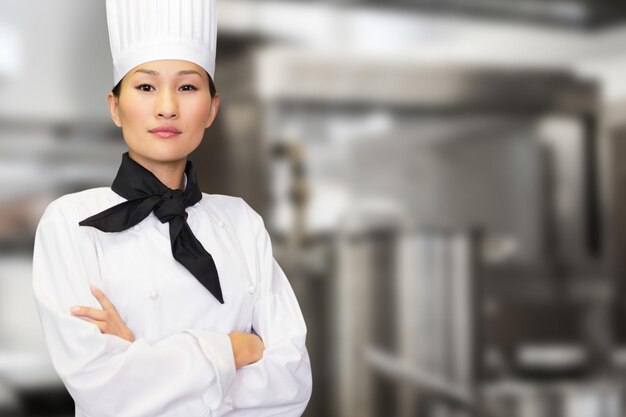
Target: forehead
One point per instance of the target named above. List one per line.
(168, 68)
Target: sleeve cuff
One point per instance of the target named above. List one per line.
(218, 349)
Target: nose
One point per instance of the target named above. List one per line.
(166, 105)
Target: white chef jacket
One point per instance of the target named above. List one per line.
(181, 362)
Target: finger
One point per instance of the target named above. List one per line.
(107, 328)
(112, 316)
(102, 298)
(93, 313)
(102, 326)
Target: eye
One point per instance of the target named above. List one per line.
(188, 87)
(145, 87)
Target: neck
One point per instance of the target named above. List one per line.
(170, 173)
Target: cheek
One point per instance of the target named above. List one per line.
(133, 113)
(199, 113)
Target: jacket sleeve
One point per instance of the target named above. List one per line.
(187, 373)
(280, 383)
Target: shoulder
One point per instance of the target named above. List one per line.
(82, 204)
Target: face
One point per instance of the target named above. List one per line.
(163, 109)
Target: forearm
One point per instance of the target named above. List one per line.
(108, 376)
(279, 384)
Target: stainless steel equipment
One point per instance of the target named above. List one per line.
(426, 148)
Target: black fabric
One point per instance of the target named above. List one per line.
(145, 193)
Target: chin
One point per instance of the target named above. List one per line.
(162, 155)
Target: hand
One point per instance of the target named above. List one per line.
(107, 320)
(247, 348)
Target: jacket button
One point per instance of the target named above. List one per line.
(154, 294)
(251, 289)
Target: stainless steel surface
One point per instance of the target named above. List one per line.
(426, 343)
(589, 399)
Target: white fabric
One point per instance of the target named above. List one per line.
(149, 30)
(181, 362)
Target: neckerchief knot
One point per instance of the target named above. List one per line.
(170, 205)
(145, 194)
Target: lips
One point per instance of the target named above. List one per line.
(165, 131)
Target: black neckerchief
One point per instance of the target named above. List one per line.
(145, 193)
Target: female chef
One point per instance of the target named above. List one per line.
(155, 298)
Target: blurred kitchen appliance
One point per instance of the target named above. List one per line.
(510, 153)
(572, 13)
(616, 152)
(586, 399)
(405, 337)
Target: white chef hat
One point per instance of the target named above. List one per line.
(149, 30)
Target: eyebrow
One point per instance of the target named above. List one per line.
(184, 72)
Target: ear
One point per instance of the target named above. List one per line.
(215, 105)
(114, 109)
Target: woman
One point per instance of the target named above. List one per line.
(157, 299)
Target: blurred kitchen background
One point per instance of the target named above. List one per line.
(444, 182)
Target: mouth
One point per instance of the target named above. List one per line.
(165, 131)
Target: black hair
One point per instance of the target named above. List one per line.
(118, 87)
